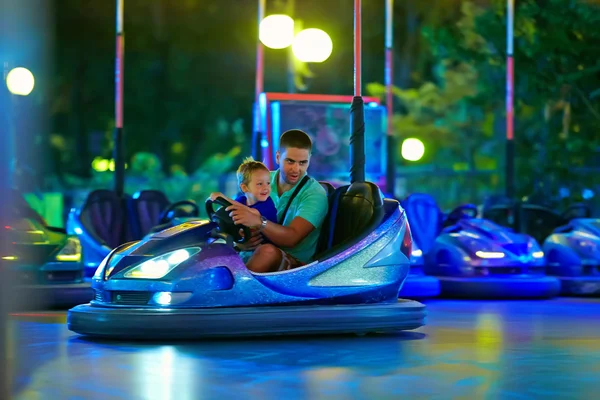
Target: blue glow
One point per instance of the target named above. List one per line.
(264, 143)
(372, 104)
(78, 230)
(276, 128)
(262, 103)
(587, 194)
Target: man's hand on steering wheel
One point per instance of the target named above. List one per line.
(256, 239)
(244, 215)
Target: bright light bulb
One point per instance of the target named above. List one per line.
(20, 81)
(312, 45)
(276, 31)
(412, 149)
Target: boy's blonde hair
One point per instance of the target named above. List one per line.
(247, 168)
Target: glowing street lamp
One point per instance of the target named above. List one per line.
(412, 149)
(276, 31)
(312, 45)
(20, 81)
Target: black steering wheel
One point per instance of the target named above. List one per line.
(225, 222)
(462, 212)
(184, 208)
(579, 210)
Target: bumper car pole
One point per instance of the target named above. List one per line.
(357, 109)
(119, 78)
(390, 177)
(510, 145)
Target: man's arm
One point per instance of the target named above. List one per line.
(288, 236)
(283, 236)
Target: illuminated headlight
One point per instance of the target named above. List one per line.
(489, 254)
(160, 266)
(71, 251)
(417, 253)
(538, 254)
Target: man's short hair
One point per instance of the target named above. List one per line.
(247, 168)
(295, 138)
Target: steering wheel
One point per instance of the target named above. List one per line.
(462, 212)
(225, 222)
(579, 210)
(177, 210)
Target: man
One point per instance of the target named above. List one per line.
(294, 240)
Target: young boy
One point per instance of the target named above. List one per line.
(254, 180)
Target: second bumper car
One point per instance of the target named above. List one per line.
(475, 258)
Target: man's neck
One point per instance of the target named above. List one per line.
(282, 185)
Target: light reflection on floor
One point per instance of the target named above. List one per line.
(468, 349)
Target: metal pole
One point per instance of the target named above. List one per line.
(357, 48)
(390, 176)
(510, 147)
(119, 78)
(357, 109)
(257, 151)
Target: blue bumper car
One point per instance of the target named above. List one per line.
(188, 281)
(45, 261)
(106, 221)
(571, 242)
(474, 257)
(418, 285)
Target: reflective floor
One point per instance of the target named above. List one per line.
(471, 350)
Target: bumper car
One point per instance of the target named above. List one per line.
(106, 221)
(418, 285)
(45, 261)
(571, 242)
(474, 257)
(188, 281)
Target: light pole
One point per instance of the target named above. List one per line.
(277, 31)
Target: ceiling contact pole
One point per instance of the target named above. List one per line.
(118, 153)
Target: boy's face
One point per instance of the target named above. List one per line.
(293, 163)
(259, 187)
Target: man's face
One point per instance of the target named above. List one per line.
(293, 163)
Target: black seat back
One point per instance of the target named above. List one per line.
(425, 219)
(354, 211)
(103, 217)
(329, 189)
(538, 221)
(145, 209)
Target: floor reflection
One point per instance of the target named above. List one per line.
(468, 349)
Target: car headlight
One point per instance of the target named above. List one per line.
(489, 254)
(538, 254)
(71, 251)
(157, 267)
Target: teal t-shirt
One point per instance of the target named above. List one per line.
(310, 204)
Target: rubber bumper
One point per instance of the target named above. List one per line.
(515, 287)
(153, 323)
(55, 296)
(580, 286)
(420, 287)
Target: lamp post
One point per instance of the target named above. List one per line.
(277, 32)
